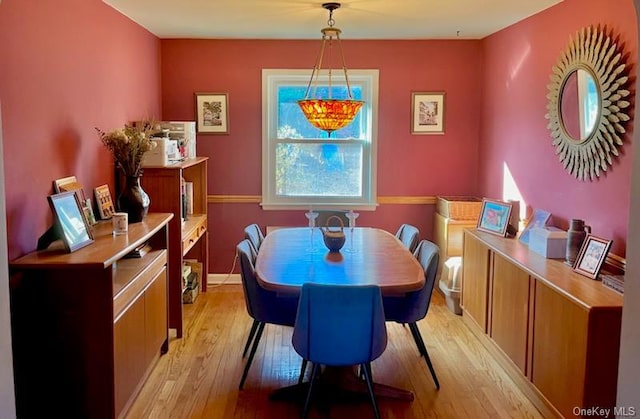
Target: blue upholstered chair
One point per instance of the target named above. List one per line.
(262, 305)
(409, 236)
(340, 325)
(254, 234)
(414, 306)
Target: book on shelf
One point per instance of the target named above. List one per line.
(139, 251)
(615, 282)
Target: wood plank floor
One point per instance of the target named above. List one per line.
(199, 376)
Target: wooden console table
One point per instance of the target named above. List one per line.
(556, 333)
(89, 326)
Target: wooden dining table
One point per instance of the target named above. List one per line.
(290, 257)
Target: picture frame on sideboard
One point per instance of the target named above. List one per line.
(494, 217)
(69, 221)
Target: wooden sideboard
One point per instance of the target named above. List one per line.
(188, 239)
(556, 333)
(89, 326)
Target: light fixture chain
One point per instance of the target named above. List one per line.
(344, 66)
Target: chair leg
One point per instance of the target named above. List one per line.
(303, 368)
(367, 374)
(252, 332)
(414, 332)
(307, 402)
(256, 341)
(424, 352)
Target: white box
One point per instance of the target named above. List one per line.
(550, 242)
(159, 155)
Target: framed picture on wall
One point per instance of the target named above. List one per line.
(212, 113)
(427, 112)
(591, 257)
(494, 217)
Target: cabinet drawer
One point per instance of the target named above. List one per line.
(192, 232)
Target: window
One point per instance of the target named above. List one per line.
(301, 165)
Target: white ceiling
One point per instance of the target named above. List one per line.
(303, 19)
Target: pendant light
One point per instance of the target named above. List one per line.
(329, 114)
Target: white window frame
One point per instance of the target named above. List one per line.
(271, 80)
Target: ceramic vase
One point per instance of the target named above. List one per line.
(575, 237)
(134, 200)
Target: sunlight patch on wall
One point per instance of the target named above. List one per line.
(518, 63)
(511, 192)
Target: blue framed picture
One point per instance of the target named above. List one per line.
(537, 220)
(494, 217)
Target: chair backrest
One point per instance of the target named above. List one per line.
(427, 255)
(409, 236)
(340, 324)
(255, 236)
(263, 305)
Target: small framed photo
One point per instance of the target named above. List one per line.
(70, 219)
(591, 256)
(538, 219)
(427, 112)
(105, 204)
(212, 113)
(494, 217)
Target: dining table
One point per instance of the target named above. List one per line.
(290, 257)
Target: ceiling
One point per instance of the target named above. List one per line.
(303, 19)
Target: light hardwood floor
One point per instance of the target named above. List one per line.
(199, 376)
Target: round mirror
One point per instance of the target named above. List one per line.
(579, 105)
(587, 108)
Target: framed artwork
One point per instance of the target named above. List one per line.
(105, 204)
(494, 217)
(591, 256)
(538, 219)
(427, 113)
(71, 222)
(212, 115)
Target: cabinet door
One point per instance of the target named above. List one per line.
(156, 327)
(510, 310)
(475, 280)
(129, 352)
(559, 349)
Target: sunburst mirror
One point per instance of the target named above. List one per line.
(588, 103)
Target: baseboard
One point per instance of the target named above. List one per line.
(217, 279)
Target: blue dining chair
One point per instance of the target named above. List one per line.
(409, 236)
(263, 306)
(414, 306)
(340, 325)
(254, 234)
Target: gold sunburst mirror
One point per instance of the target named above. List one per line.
(588, 103)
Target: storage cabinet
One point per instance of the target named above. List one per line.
(89, 326)
(556, 332)
(475, 283)
(187, 239)
(510, 310)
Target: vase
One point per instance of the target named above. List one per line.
(575, 237)
(134, 200)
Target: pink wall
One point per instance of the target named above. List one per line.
(518, 62)
(67, 66)
(408, 165)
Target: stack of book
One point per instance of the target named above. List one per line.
(615, 282)
(191, 274)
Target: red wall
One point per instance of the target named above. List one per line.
(518, 62)
(408, 165)
(67, 66)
